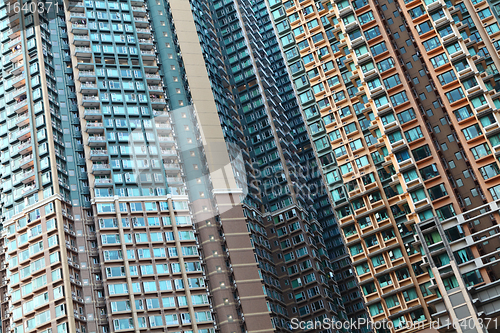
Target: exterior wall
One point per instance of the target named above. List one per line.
(273, 152)
(40, 269)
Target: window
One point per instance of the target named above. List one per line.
(429, 172)
(445, 212)
(445, 31)
(437, 192)
(484, 13)
(350, 128)
(356, 144)
(378, 49)
(455, 95)
(392, 81)
(374, 84)
(406, 116)
(366, 17)
(413, 134)
(424, 28)
(447, 77)
(372, 33)
(481, 150)
(399, 98)
(431, 43)
(453, 48)
(489, 171)
(417, 12)
(463, 113)
(472, 131)
(491, 29)
(421, 152)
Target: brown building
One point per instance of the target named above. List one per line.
(403, 95)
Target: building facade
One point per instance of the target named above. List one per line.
(296, 271)
(403, 95)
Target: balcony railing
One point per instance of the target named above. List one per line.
(100, 166)
(98, 153)
(86, 73)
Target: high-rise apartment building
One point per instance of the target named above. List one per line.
(403, 96)
(288, 240)
(351, 297)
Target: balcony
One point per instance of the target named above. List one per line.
(158, 102)
(76, 16)
(90, 100)
(19, 81)
(16, 56)
(357, 41)
(97, 141)
(172, 168)
(435, 5)
(13, 33)
(13, 19)
(377, 91)
(24, 134)
(80, 40)
(351, 26)
(18, 92)
(18, 68)
(103, 182)
(79, 28)
(98, 155)
(82, 51)
(26, 162)
(143, 32)
(153, 77)
(86, 76)
(142, 22)
(345, 11)
(95, 127)
(146, 44)
(13, 42)
(174, 180)
(457, 55)
(20, 107)
(87, 87)
(161, 114)
(75, 7)
(101, 169)
(162, 128)
(166, 140)
(27, 176)
(92, 114)
(25, 147)
(139, 11)
(23, 120)
(28, 188)
(169, 152)
(365, 57)
(155, 88)
(148, 55)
